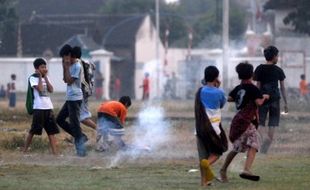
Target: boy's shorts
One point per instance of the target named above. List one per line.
(249, 139)
(43, 119)
(273, 108)
(203, 153)
(84, 112)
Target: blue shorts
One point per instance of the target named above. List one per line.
(84, 112)
(109, 127)
(12, 100)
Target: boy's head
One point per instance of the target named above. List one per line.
(244, 70)
(211, 74)
(126, 101)
(65, 53)
(302, 77)
(40, 65)
(271, 54)
(13, 76)
(76, 52)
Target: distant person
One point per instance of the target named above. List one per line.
(117, 87)
(12, 92)
(268, 76)
(146, 87)
(174, 83)
(43, 116)
(211, 138)
(2, 92)
(74, 96)
(99, 85)
(111, 121)
(243, 130)
(303, 86)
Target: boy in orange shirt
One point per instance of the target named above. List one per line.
(111, 120)
(303, 86)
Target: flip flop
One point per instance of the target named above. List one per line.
(249, 176)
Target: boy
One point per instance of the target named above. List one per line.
(74, 96)
(12, 92)
(303, 86)
(268, 76)
(111, 120)
(43, 116)
(211, 138)
(243, 132)
(85, 115)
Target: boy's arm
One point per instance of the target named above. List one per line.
(283, 92)
(230, 99)
(68, 79)
(39, 87)
(50, 87)
(260, 101)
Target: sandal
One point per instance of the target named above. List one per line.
(249, 176)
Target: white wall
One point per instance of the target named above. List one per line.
(23, 68)
(145, 49)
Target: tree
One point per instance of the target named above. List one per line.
(298, 16)
(8, 23)
(169, 15)
(204, 17)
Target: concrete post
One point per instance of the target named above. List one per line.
(103, 57)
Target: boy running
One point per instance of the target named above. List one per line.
(43, 116)
(211, 138)
(243, 130)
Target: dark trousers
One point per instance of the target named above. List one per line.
(70, 109)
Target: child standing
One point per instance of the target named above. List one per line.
(243, 130)
(211, 138)
(43, 116)
(12, 92)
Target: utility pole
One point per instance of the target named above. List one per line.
(157, 49)
(225, 43)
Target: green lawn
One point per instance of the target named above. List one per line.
(277, 172)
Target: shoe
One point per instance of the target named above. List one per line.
(80, 146)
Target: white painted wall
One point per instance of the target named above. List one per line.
(145, 49)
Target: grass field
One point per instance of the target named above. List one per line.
(166, 166)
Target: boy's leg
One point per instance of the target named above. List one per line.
(249, 160)
(28, 142)
(53, 143)
(89, 123)
(61, 119)
(74, 118)
(213, 158)
(247, 174)
(223, 171)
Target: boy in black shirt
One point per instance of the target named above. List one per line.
(268, 76)
(243, 130)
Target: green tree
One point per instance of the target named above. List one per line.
(169, 15)
(203, 16)
(298, 16)
(8, 22)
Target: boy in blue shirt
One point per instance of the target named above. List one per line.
(71, 108)
(211, 138)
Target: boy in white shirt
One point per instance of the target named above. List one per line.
(43, 116)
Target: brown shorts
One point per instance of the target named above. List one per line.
(43, 119)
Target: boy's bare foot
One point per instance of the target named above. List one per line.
(222, 176)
